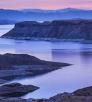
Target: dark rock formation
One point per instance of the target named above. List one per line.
(16, 90)
(84, 91)
(64, 29)
(69, 98)
(13, 100)
(23, 65)
(81, 95)
(7, 60)
(63, 97)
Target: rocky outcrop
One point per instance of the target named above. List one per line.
(84, 92)
(63, 97)
(13, 100)
(64, 29)
(14, 60)
(81, 95)
(16, 90)
(70, 98)
(22, 65)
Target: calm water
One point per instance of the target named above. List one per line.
(67, 79)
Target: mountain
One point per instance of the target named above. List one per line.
(14, 16)
(62, 29)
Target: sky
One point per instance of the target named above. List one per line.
(45, 4)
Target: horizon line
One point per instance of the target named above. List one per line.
(45, 9)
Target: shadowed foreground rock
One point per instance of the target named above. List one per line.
(81, 95)
(84, 92)
(16, 90)
(64, 97)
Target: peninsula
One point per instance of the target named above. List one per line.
(54, 30)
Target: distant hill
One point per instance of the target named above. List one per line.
(13, 16)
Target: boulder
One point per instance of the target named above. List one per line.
(16, 90)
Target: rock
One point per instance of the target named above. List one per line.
(84, 91)
(21, 100)
(63, 97)
(62, 29)
(69, 98)
(16, 90)
(81, 95)
(14, 60)
(13, 100)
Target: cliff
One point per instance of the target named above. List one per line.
(63, 29)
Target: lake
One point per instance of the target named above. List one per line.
(68, 79)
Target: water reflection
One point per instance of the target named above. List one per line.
(5, 28)
(39, 49)
(67, 79)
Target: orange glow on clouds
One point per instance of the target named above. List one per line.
(45, 4)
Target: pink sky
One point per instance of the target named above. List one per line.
(45, 4)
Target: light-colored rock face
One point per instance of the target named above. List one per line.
(69, 29)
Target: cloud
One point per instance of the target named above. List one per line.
(45, 4)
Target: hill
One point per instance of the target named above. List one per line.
(14, 16)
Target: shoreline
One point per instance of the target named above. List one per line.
(12, 71)
(80, 95)
(49, 39)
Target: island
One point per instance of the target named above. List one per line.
(14, 66)
(52, 30)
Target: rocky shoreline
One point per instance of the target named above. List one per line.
(81, 95)
(14, 66)
(16, 90)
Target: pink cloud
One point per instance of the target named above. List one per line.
(45, 4)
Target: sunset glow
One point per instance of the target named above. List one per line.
(45, 4)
